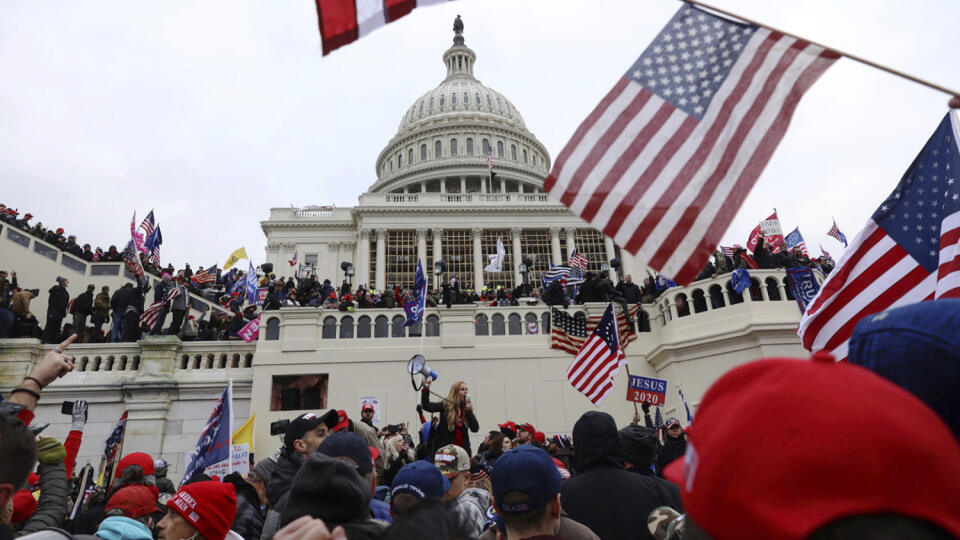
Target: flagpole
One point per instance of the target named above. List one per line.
(117, 456)
(627, 365)
(953, 93)
(230, 430)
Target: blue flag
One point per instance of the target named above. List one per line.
(214, 444)
(685, 406)
(252, 285)
(663, 283)
(803, 285)
(418, 304)
(154, 240)
(740, 280)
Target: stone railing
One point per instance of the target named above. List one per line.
(432, 199)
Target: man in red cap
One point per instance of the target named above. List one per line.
(525, 433)
(201, 510)
(129, 514)
(366, 415)
(844, 454)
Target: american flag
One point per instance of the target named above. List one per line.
(572, 277)
(293, 261)
(825, 254)
(131, 258)
(344, 21)
(147, 225)
(490, 157)
(152, 313)
(115, 439)
(666, 159)
(835, 232)
(795, 240)
(728, 251)
(600, 358)
(577, 260)
(205, 276)
(909, 251)
(568, 333)
(154, 239)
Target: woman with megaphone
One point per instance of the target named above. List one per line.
(456, 417)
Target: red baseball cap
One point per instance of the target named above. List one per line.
(209, 506)
(508, 428)
(134, 501)
(540, 437)
(834, 444)
(367, 407)
(137, 458)
(343, 421)
(528, 427)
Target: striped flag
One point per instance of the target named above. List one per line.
(728, 251)
(825, 254)
(205, 276)
(667, 158)
(147, 225)
(115, 439)
(344, 21)
(795, 240)
(909, 251)
(577, 260)
(293, 261)
(154, 239)
(835, 232)
(600, 358)
(567, 333)
(572, 277)
(490, 157)
(152, 313)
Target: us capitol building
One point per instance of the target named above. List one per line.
(434, 199)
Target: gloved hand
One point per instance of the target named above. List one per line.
(646, 407)
(79, 415)
(419, 409)
(50, 451)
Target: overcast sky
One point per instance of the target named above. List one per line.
(212, 112)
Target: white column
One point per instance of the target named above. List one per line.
(463, 184)
(477, 259)
(381, 270)
(611, 253)
(338, 272)
(555, 245)
(443, 185)
(517, 255)
(363, 257)
(422, 250)
(570, 243)
(627, 267)
(437, 252)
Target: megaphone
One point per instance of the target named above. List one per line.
(418, 364)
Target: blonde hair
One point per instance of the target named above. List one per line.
(453, 404)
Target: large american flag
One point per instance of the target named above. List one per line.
(152, 313)
(600, 358)
(568, 333)
(666, 159)
(577, 260)
(345, 21)
(907, 253)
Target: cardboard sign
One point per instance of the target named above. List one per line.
(261, 296)
(239, 454)
(251, 331)
(647, 390)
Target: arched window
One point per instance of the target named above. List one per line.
(755, 293)
(346, 327)
(478, 100)
(699, 301)
(423, 152)
(363, 327)
(466, 98)
(453, 147)
(486, 146)
(329, 328)
(273, 329)
(499, 104)
(421, 107)
(513, 152)
(437, 149)
(514, 325)
(433, 326)
(524, 155)
(390, 162)
(735, 297)
(480, 326)
(545, 322)
(397, 326)
(453, 99)
(683, 306)
(500, 149)
(469, 146)
(441, 100)
(399, 160)
(643, 321)
(786, 287)
(489, 103)
(380, 327)
(773, 289)
(431, 104)
(496, 321)
(716, 297)
(410, 156)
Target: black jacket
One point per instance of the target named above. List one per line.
(630, 292)
(120, 299)
(590, 292)
(553, 294)
(282, 476)
(673, 449)
(83, 304)
(614, 503)
(58, 301)
(248, 522)
(443, 436)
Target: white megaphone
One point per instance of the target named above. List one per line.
(418, 364)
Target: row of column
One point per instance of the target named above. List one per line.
(485, 186)
(479, 260)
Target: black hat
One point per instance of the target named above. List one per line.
(329, 489)
(638, 444)
(344, 444)
(298, 426)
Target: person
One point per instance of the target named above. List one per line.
(178, 306)
(129, 515)
(416, 481)
(612, 502)
(160, 295)
(525, 433)
(456, 417)
(7, 317)
(248, 522)
(353, 449)
(366, 415)
(164, 484)
(200, 510)
(57, 304)
(639, 445)
(784, 485)
(674, 446)
(526, 493)
(470, 504)
(396, 453)
(26, 323)
(48, 511)
(590, 290)
(82, 307)
(554, 295)
(101, 309)
(118, 303)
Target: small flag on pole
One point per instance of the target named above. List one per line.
(795, 240)
(835, 232)
(599, 360)
(577, 260)
(293, 261)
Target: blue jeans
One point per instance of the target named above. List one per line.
(116, 328)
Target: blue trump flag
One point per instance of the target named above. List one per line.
(740, 280)
(252, 285)
(214, 444)
(418, 305)
(803, 285)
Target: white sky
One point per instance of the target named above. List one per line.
(212, 112)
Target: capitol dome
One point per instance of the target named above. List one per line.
(443, 139)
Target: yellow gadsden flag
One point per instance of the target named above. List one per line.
(234, 257)
(245, 433)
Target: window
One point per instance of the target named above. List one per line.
(458, 252)
(401, 252)
(535, 244)
(398, 330)
(423, 152)
(441, 100)
(589, 243)
(481, 328)
(500, 149)
(346, 327)
(391, 165)
(299, 392)
(329, 328)
(410, 156)
(486, 146)
(499, 105)
(363, 327)
(453, 147)
(310, 259)
(433, 326)
(421, 107)
(273, 329)
(513, 152)
(399, 160)
(524, 155)
(488, 243)
(478, 99)
(514, 326)
(380, 327)
(489, 102)
(437, 149)
(466, 98)
(453, 99)
(431, 104)
(469, 146)
(496, 321)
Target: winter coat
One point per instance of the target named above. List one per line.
(667, 453)
(52, 507)
(278, 485)
(590, 292)
(442, 435)
(603, 495)
(123, 528)
(58, 301)
(181, 300)
(248, 522)
(83, 304)
(553, 294)
(101, 305)
(630, 292)
(120, 299)
(471, 509)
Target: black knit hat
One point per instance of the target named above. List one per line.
(329, 489)
(638, 444)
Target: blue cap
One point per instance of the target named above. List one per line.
(918, 348)
(529, 470)
(345, 444)
(420, 478)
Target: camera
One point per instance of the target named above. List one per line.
(66, 407)
(279, 427)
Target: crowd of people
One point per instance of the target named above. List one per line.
(874, 454)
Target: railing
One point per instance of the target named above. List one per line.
(514, 198)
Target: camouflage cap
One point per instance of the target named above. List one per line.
(665, 523)
(451, 459)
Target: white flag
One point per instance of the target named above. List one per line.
(496, 261)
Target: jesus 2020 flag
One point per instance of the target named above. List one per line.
(667, 158)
